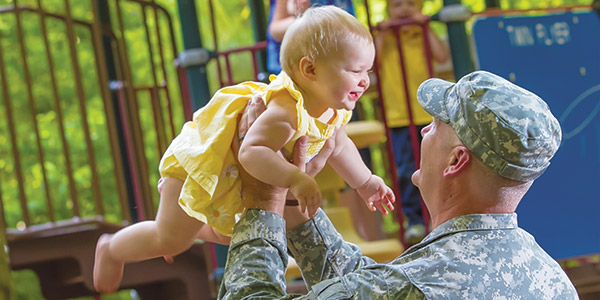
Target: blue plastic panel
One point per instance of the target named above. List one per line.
(558, 58)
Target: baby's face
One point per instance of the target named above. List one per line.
(342, 78)
(400, 9)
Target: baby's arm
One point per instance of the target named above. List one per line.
(258, 153)
(346, 161)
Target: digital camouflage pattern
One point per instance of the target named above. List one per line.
(482, 256)
(510, 129)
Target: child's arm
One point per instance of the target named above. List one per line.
(284, 15)
(439, 51)
(259, 156)
(379, 46)
(282, 19)
(346, 161)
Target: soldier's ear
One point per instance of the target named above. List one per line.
(458, 161)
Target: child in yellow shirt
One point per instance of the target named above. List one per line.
(325, 55)
(396, 109)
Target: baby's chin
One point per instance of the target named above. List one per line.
(349, 105)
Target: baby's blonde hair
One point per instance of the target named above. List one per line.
(319, 32)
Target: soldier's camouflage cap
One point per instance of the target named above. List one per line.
(510, 129)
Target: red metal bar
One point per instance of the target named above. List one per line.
(413, 129)
(262, 45)
(414, 139)
(101, 65)
(256, 47)
(132, 106)
(254, 65)
(185, 90)
(213, 256)
(429, 57)
(118, 87)
(228, 68)
(425, 30)
(388, 142)
(161, 55)
(158, 121)
(174, 51)
(154, 95)
(396, 23)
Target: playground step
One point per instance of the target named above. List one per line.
(62, 255)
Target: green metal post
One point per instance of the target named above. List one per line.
(196, 74)
(198, 84)
(492, 4)
(259, 26)
(459, 45)
(111, 69)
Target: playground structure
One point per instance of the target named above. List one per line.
(60, 248)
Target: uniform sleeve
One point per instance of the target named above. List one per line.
(335, 269)
(258, 257)
(321, 252)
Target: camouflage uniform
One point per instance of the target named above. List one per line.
(477, 256)
(482, 256)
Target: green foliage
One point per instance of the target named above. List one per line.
(34, 106)
(148, 43)
(35, 116)
(6, 284)
(234, 30)
(27, 288)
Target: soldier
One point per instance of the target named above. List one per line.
(489, 140)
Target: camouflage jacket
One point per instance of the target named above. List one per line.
(468, 257)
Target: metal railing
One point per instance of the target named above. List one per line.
(77, 150)
(395, 27)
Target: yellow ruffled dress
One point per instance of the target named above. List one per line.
(201, 154)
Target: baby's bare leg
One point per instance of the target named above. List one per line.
(209, 234)
(171, 233)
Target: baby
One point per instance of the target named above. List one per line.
(326, 55)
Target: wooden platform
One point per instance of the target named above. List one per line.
(584, 272)
(62, 255)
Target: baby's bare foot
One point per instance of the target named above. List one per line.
(107, 271)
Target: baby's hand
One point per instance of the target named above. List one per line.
(420, 18)
(384, 25)
(307, 192)
(376, 194)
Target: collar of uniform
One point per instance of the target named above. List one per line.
(471, 222)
